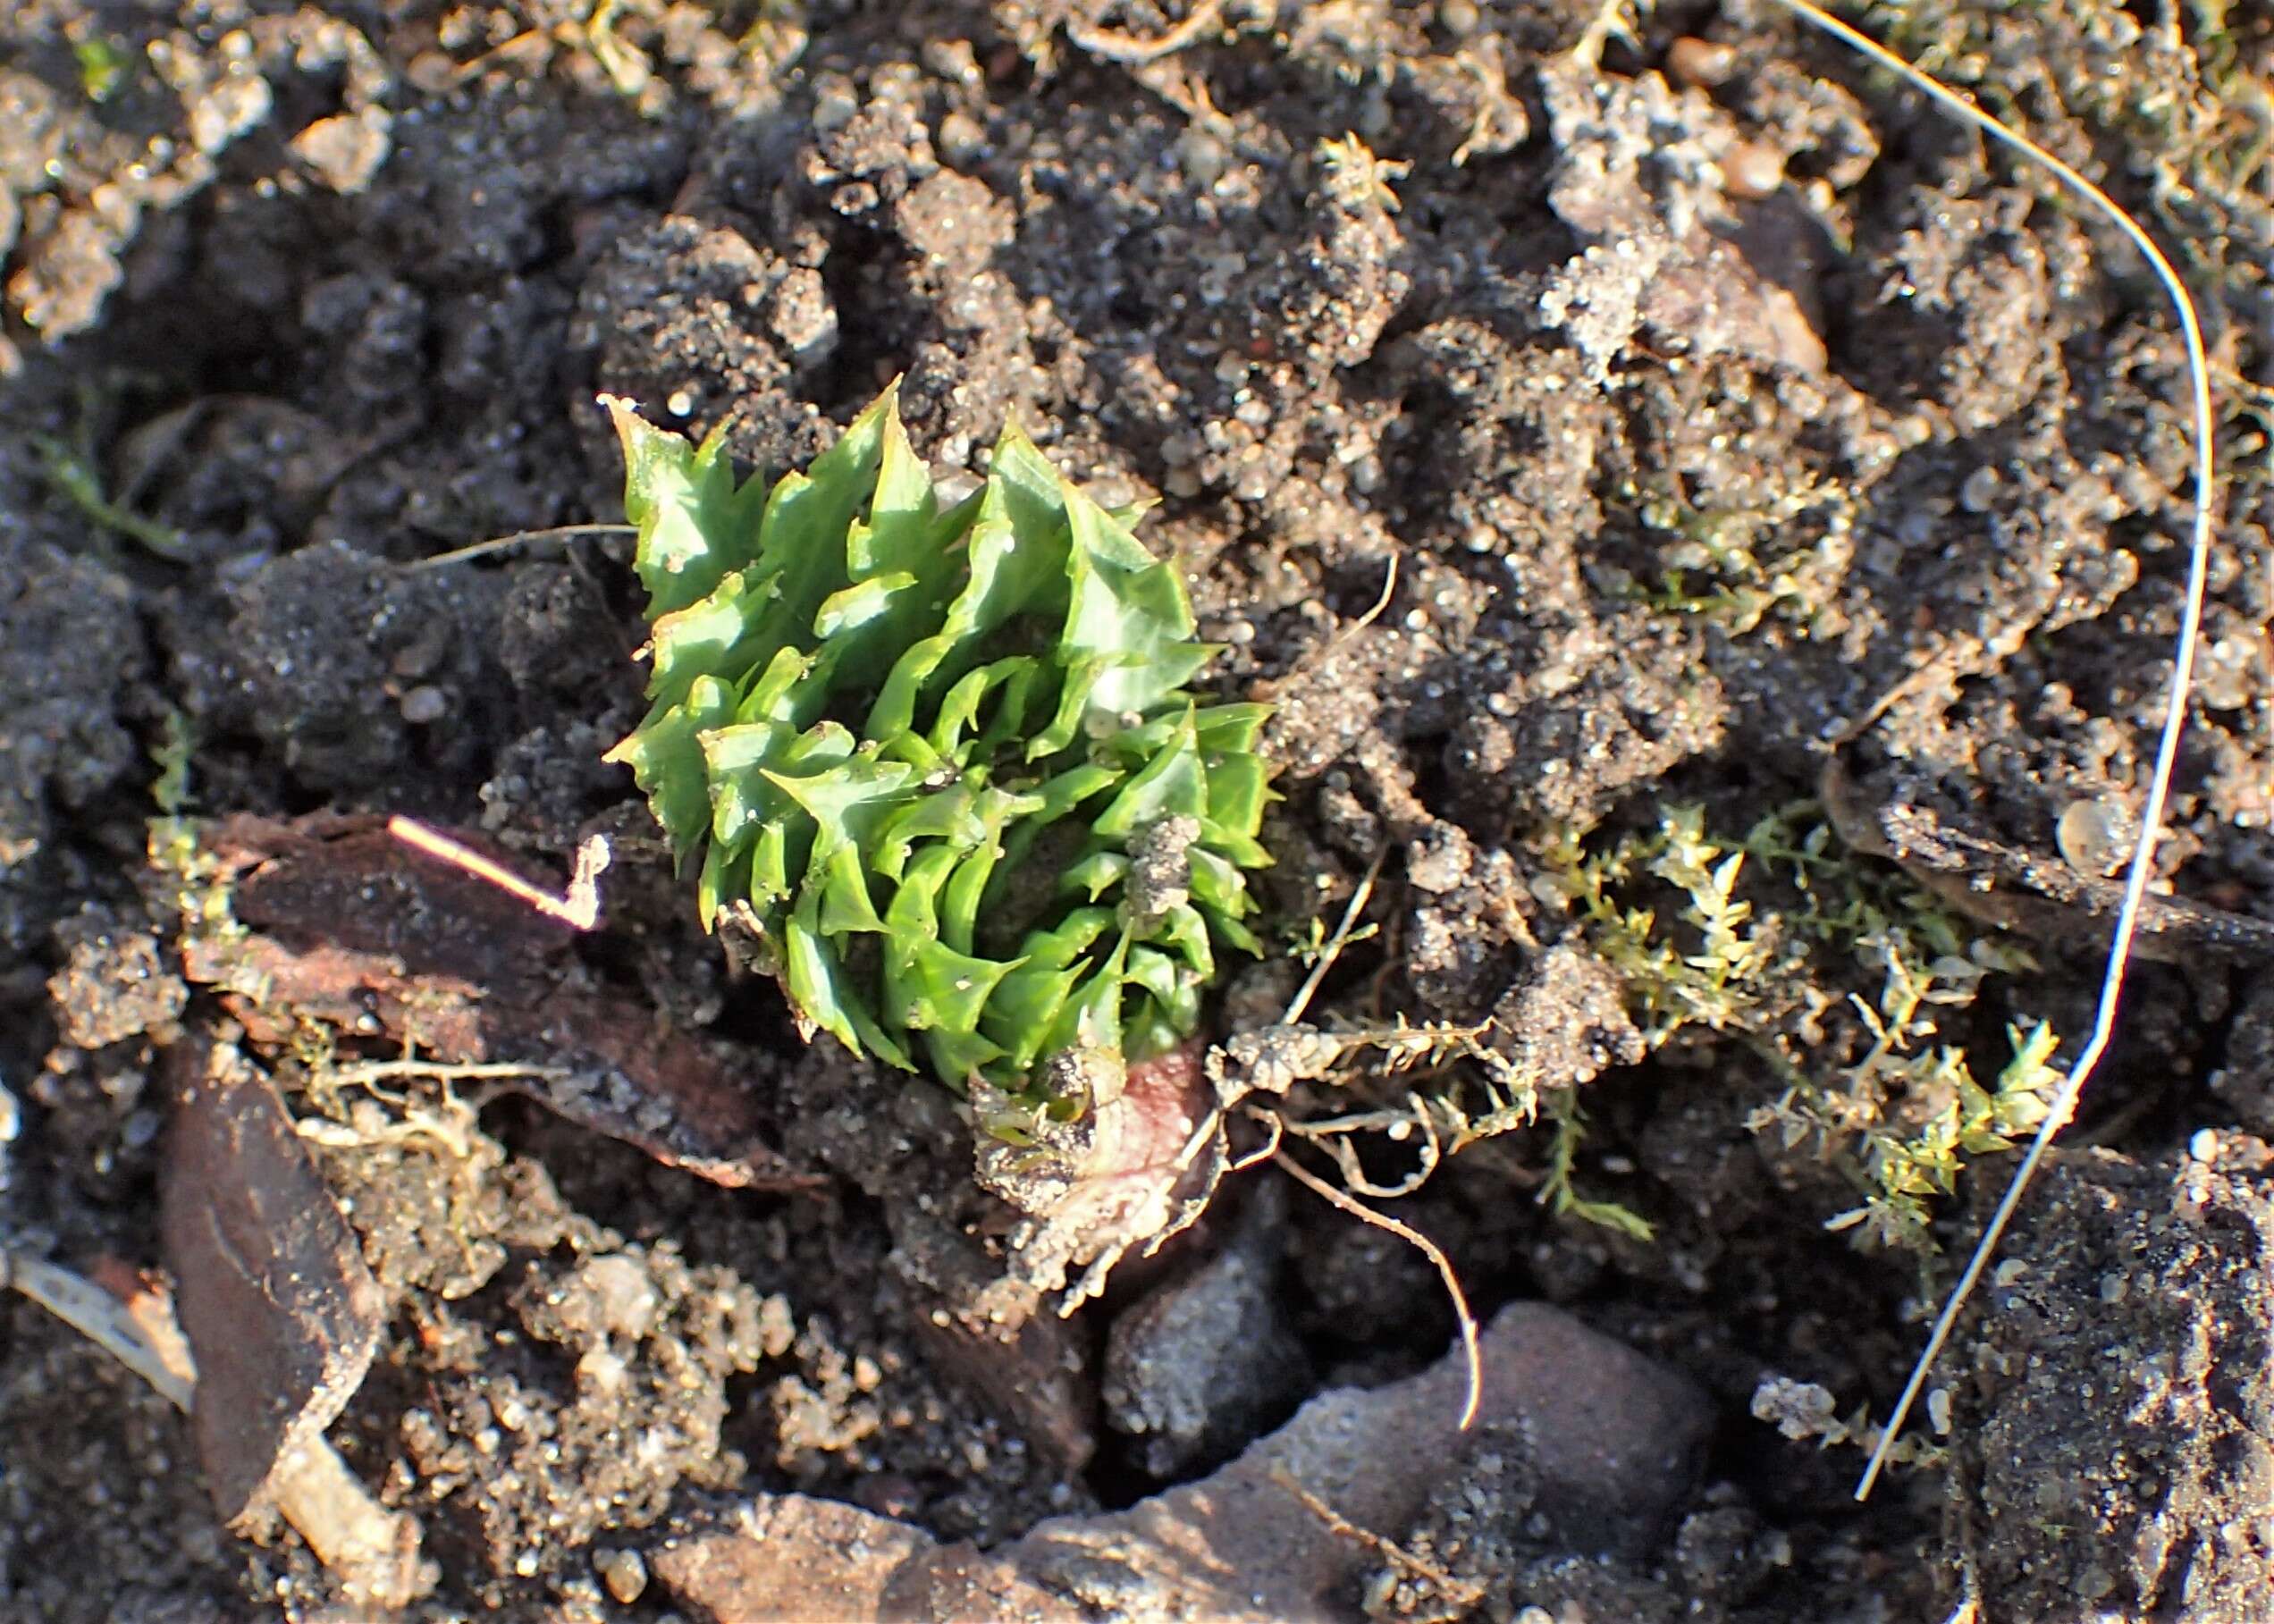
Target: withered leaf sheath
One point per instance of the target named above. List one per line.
(948, 759)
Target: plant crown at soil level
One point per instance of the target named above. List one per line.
(945, 763)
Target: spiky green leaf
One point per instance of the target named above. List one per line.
(920, 746)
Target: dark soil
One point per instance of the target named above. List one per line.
(1698, 401)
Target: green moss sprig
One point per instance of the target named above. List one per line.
(946, 761)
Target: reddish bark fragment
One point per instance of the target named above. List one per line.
(353, 928)
(282, 1315)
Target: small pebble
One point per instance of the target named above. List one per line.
(833, 109)
(424, 704)
(2225, 672)
(1752, 170)
(623, 1572)
(2095, 837)
(622, 1293)
(1704, 62)
(963, 139)
(601, 1370)
(1201, 156)
(1979, 494)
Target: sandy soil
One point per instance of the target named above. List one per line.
(1698, 400)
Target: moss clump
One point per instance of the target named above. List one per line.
(945, 761)
(1896, 1110)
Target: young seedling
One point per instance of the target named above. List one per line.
(944, 762)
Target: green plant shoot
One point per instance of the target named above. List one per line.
(945, 761)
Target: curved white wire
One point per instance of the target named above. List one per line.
(2182, 664)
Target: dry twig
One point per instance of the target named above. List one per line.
(1110, 45)
(1470, 1353)
(1463, 1593)
(579, 909)
(459, 555)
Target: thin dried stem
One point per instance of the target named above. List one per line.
(1276, 1129)
(1332, 1136)
(579, 909)
(1340, 640)
(1112, 46)
(2142, 867)
(501, 543)
(364, 1072)
(1461, 1593)
(104, 1320)
(1381, 603)
(1334, 943)
(1471, 1352)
